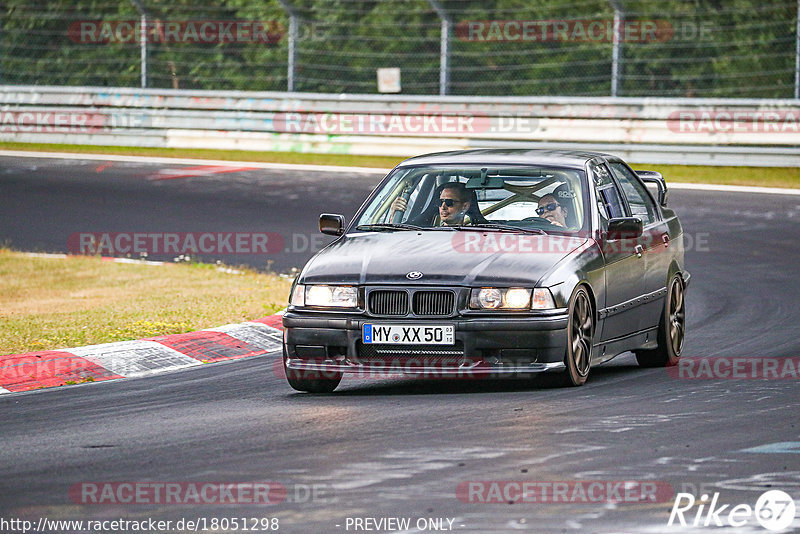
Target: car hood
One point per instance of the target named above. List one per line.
(443, 257)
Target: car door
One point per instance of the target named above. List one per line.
(624, 267)
(653, 241)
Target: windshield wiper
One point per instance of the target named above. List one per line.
(503, 227)
(388, 226)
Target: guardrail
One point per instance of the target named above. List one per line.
(644, 130)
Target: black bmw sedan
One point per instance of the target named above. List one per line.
(493, 263)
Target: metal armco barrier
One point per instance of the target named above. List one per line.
(644, 130)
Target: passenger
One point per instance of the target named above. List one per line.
(550, 209)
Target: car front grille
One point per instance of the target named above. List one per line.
(388, 302)
(395, 302)
(433, 302)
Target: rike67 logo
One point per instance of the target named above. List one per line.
(774, 510)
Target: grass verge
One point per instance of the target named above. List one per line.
(785, 177)
(758, 176)
(382, 162)
(50, 303)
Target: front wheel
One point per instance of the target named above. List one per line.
(580, 334)
(671, 330)
(312, 381)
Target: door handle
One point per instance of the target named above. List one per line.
(665, 239)
(639, 250)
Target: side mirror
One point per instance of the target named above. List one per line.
(624, 228)
(653, 177)
(331, 224)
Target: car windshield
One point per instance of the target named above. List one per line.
(515, 198)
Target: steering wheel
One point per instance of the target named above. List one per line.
(537, 219)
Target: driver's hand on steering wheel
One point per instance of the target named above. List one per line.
(399, 204)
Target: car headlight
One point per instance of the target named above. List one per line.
(494, 298)
(486, 298)
(513, 298)
(325, 296)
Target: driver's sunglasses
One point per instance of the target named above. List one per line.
(547, 207)
(449, 202)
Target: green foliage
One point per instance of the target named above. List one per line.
(706, 48)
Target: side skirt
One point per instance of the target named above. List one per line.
(608, 349)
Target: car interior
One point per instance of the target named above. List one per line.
(500, 196)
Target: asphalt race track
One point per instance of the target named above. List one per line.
(407, 448)
(45, 201)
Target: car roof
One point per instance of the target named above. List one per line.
(502, 156)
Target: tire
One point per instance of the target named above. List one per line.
(671, 330)
(311, 381)
(580, 335)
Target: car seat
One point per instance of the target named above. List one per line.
(566, 197)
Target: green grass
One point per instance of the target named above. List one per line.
(758, 176)
(50, 303)
(382, 162)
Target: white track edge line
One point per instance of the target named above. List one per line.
(334, 168)
(189, 161)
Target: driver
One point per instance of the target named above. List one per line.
(453, 204)
(550, 209)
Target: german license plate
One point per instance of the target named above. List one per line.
(409, 334)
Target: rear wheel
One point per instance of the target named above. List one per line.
(580, 334)
(671, 330)
(311, 381)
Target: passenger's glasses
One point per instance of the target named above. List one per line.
(548, 207)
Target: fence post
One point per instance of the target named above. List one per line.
(615, 51)
(292, 54)
(143, 40)
(797, 55)
(444, 48)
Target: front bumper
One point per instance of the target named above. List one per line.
(502, 345)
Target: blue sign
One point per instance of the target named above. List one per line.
(367, 333)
